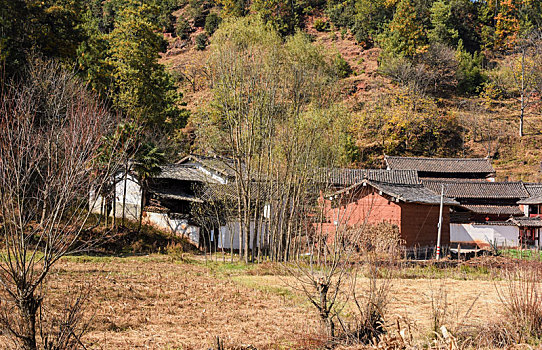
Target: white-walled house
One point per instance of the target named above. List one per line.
(169, 200)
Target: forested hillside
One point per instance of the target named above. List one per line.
(401, 77)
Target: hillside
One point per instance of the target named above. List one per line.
(489, 126)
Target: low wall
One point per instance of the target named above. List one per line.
(233, 229)
(178, 227)
(484, 235)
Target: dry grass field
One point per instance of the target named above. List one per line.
(158, 302)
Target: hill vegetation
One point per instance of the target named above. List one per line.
(413, 77)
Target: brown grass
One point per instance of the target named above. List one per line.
(154, 302)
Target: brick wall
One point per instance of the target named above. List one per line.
(367, 204)
(417, 222)
(420, 224)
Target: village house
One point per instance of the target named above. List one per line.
(170, 199)
(395, 196)
(477, 211)
(490, 213)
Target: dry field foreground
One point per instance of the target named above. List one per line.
(154, 302)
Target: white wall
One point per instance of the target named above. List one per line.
(485, 234)
(178, 227)
(133, 198)
(233, 228)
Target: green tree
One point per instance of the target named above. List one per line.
(183, 28)
(148, 159)
(455, 20)
(143, 89)
(405, 35)
(284, 15)
(212, 22)
(470, 75)
(49, 28)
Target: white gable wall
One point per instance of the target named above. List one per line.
(133, 198)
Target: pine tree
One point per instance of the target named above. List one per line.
(406, 35)
(143, 89)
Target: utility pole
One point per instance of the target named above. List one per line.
(440, 222)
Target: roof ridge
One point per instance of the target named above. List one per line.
(441, 158)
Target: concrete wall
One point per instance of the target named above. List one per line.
(133, 198)
(485, 234)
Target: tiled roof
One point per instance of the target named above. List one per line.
(405, 193)
(493, 209)
(525, 221)
(441, 165)
(531, 200)
(184, 173)
(348, 177)
(534, 189)
(230, 191)
(481, 190)
(177, 195)
(224, 166)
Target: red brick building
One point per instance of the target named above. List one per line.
(394, 196)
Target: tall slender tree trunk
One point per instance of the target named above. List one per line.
(114, 222)
(124, 194)
(522, 115)
(143, 194)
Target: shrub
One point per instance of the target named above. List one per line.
(521, 299)
(211, 23)
(183, 28)
(201, 41)
(321, 25)
(434, 71)
(199, 9)
(342, 67)
(470, 76)
(401, 70)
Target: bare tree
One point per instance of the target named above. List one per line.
(521, 75)
(272, 117)
(51, 133)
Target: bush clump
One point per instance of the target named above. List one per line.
(321, 25)
(184, 28)
(211, 23)
(342, 67)
(201, 41)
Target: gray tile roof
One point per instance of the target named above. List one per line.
(534, 189)
(531, 200)
(442, 165)
(177, 195)
(348, 177)
(479, 190)
(400, 192)
(493, 209)
(184, 173)
(525, 221)
(222, 165)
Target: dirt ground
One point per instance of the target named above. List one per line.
(154, 302)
